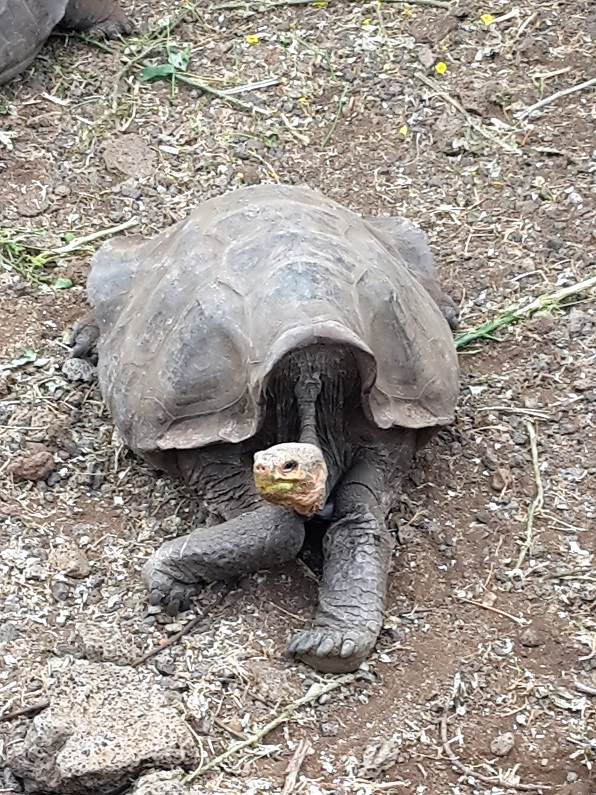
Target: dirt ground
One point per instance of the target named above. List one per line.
(486, 635)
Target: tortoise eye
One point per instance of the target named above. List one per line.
(288, 466)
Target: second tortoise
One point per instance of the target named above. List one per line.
(26, 24)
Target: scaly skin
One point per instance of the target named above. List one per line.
(99, 17)
(259, 539)
(357, 558)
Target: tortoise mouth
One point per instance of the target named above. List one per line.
(268, 484)
(302, 494)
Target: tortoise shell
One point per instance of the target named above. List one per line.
(193, 321)
(24, 27)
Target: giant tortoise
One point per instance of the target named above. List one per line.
(287, 358)
(26, 24)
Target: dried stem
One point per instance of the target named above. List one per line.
(190, 625)
(283, 716)
(515, 619)
(294, 766)
(516, 313)
(538, 500)
(556, 96)
(340, 105)
(79, 242)
(18, 713)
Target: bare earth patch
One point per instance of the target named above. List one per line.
(488, 655)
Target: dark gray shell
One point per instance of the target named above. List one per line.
(24, 26)
(193, 321)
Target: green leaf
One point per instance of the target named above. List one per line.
(62, 284)
(68, 237)
(150, 73)
(180, 60)
(28, 355)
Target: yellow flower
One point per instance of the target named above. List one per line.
(441, 68)
(252, 39)
(487, 18)
(406, 10)
(320, 4)
(302, 99)
(366, 21)
(403, 129)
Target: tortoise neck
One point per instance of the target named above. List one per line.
(307, 392)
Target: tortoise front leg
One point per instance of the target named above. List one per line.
(258, 539)
(357, 558)
(99, 17)
(83, 338)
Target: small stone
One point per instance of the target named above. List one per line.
(531, 637)
(502, 744)
(329, 729)
(78, 370)
(173, 628)
(104, 727)
(60, 591)
(250, 175)
(426, 57)
(162, 782)
(501, 479)
(165, 667)
(70, 560)
(36, 466)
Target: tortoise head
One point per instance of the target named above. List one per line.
(292, 474)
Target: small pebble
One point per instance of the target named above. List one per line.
(502, 744)
(531, 637)
(70, 560)
(329, 729)
(37, 466)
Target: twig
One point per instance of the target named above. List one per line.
(184, 631)
(587, 690)
(468, 771)
(556, 96)
(515, 410)
(270, 81)
(516, 619)
(256, 6)
(517, 312)
(223, 725)
(340, 105)
(430, 3)
(294, 766)
(264, 6)
(480, 128)
(79, 242)
(190, 81)
(311, 696)
(17, 713)
(538, 500)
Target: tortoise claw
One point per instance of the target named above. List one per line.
(332, 650)
(165, 589)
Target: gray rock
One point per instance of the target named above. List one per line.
(531, 637)
(104, 725)
(69, 559)
(78, 370)
(98, 643)
(502, 744)
(163, 782)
